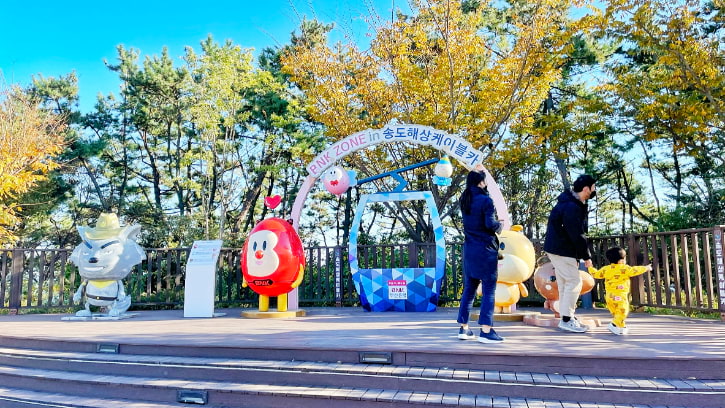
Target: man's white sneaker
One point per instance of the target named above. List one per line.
(573, 326)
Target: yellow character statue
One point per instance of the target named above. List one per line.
(517, 260)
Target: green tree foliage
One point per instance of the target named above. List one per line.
(667, 95)
(189, 149)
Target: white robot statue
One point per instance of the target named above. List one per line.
(106, 256)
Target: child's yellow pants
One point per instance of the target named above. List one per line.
(618, 306)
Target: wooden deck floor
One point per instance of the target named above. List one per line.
(650, 336)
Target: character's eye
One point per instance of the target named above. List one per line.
(85, 253)
(264, 245)
(254, 246)
(107, 252)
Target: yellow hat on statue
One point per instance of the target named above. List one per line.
(106, 227)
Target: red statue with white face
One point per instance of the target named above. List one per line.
(273, 261)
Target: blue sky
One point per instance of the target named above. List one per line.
(53, 38)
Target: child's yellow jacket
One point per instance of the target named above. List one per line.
(616, 276)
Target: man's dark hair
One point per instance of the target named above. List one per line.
(582, 181)
(615, 254)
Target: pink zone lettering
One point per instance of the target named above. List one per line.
(320, 162)
(347, 145)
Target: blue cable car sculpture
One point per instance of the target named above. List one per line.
(411, 289)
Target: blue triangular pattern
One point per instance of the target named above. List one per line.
(422, 289)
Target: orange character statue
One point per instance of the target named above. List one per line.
(545, 284)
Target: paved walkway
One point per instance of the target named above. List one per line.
(354, 329)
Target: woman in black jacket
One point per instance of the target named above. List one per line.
(480, 257)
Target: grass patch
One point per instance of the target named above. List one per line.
(695, 314)
(41, 310)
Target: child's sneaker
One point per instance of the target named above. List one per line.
(573, 326)
(490, 337)
(615, 330)
(466, 334)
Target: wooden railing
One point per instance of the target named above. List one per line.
(687, 267)
(45, 278)
(688, 273)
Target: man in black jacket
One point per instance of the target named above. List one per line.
(566, 243)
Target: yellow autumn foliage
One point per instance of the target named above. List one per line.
(29, 138)
(482, 74)
(679, 94)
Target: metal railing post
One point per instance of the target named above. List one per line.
(338, 276)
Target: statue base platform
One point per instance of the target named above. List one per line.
(99, 316)
(506, 317)
(553, 321)
(256, 314)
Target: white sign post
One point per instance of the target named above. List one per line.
(201, 279)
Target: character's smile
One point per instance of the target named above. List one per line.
(94, 268)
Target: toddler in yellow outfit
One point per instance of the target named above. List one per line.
(616, 282)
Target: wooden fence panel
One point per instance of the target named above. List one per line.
(696, 272)
(656, 270)
(686, 278)
(5, 268)
(687, 273)
(682, 274)
(709, 277)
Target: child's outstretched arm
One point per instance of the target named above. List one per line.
(638, 270)
(597, 274)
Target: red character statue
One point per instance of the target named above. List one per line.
(273, 261)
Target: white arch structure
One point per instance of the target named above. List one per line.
(453, 145)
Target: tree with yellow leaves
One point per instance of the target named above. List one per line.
(29, 138)
(667, 90)
(480, 69)
(670, 68)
